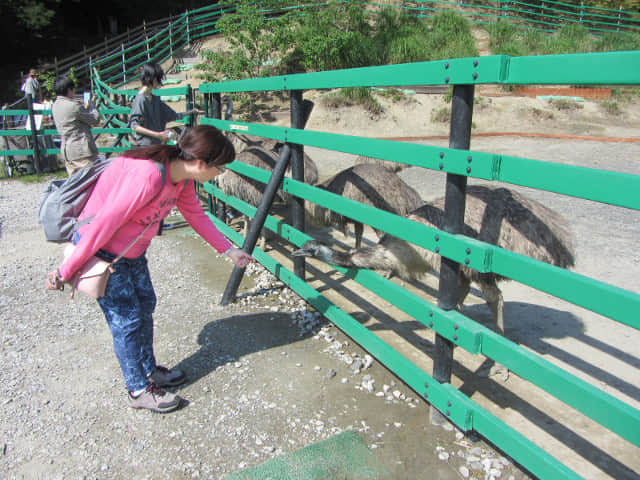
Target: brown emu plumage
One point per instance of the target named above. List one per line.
(498, 216)
(368, 184)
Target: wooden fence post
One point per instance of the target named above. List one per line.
(186, 13)
(297, 173)
(190, 104)
(453, 221)
(124, 65)
(171, 38)
(90, 74)
(215, 111)
(619, 17)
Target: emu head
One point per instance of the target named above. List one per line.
(316, 249)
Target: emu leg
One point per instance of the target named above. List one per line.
(245, 226)
(493, 296)
(464, 285)
(359, 229)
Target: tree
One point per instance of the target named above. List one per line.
(255, 31)
(32, 14)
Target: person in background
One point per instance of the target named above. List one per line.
(150, 115)
(129, 196)
(73, 122)
(31, 86)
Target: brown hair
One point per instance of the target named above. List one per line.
(205, 142)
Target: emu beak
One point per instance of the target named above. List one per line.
(301, 252)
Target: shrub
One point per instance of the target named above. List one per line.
(611, 107)
(330, 37)
(441, 115)
(450, 37)
(541, 114)
(569, 39)
(354, 96)
(565, 104)
(613, 42)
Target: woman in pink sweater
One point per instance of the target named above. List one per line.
(130, 195)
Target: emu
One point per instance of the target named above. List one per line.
(369, 184)
(250, 190)
(242, 142)
(388, 164)
(498, 216)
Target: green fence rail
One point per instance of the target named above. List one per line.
(114, 116)
(540, 15)
(597, 185)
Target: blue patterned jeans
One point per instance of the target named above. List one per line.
(128, 306)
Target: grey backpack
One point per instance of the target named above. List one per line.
(63, 200)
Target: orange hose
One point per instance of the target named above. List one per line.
(520, 134)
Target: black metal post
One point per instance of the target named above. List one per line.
(454, 206)
(190, 105)
(258, 221)
(206, 104)
(34, 135)
(215, 106)
(297, 173)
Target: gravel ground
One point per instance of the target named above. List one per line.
(265, 376)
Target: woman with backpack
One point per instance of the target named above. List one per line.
(131, 195)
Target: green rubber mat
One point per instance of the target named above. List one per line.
(343, 457)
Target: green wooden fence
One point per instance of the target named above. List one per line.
(598, 185)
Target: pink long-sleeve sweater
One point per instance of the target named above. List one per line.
(127, 197)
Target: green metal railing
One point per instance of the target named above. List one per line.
(598, 185)
(546, 15)
(115, 119)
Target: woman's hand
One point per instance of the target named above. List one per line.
(193, 111)
(55, 281)
(240, 259)
(165, 135)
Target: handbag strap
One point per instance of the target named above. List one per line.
(163, 174)
(132, 243)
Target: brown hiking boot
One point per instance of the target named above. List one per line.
(163, 377)
(156, 399)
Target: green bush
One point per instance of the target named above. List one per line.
(611, 107)
(354, 96)
(616, 42)
(254, 35)
(569, 39)
(507, 39)
(441, 115)
(450, 37)
(329, 36)
(504, 39)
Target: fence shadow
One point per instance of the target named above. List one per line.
(227, 340)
